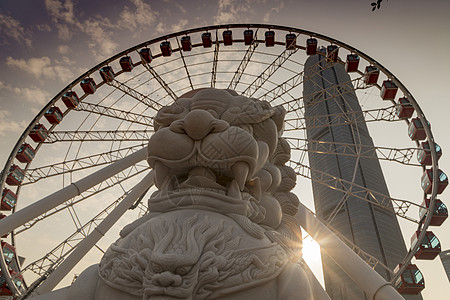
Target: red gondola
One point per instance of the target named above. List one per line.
(416, 131)
(15, 175)
(9, 200)
(70, 99)
(429, 248)
(8, 252)
(311, 46)
(126, 64)
(166, 48)
(206, 39)
(88, 85)
(405, 109)
(227, 38)
(440, 213)
(186, 43)
(411, 281)
(270, 38)
(146, 55)
(25, 154)
(388, 90)
(332, 53)
(352, 63)
(53, 115)
(291, 41)
(4, 289)
(371, 75)
(16, 278)
(107, 74)
(427, 181)
(39, 133)
(248, 37)
(424, 154)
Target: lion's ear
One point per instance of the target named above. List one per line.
(278, 116)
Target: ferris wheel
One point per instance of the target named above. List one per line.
(105, 117)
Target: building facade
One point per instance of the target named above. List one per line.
(445, 258)
(333, 117)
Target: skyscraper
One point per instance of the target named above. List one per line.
(333, 117)
(445, 258)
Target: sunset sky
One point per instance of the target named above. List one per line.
(46, 44)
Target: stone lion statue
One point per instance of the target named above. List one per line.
(221, 224)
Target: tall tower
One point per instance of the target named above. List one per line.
(333, 116)
(445, 258)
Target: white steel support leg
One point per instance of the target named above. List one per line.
(91, 240)
(37, 208)
(375, 286)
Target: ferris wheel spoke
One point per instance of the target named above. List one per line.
(99, 136)
(161, 81)
(121, 177)
(135, 94)
(81, 163)
(345, 118)
(400, 207)
(244, 62)
(53, 258)
(184, 63)
(268, 72)
(116, 113)
(283, 88)
(215, 60)
(403, 156)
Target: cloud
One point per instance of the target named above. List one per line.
(274, 11)
(182, 23)
(41, 68)
(10, 27)
(64, 49)
(230, 11)
(33, 95)
(7, 125)
(101, 42)
(141, 15)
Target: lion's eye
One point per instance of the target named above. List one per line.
(182, 270)
(157, 268)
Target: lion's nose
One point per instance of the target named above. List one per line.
(167, 279)
(198, 123)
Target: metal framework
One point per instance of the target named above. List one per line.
(100, 145)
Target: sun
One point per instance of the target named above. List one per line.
(311, 254)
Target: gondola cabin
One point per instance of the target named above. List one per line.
(16, 278)
(411, 281)
(269, 37)
(429, 248)
(8, 252)
(88, 85)
(54, 115)
(4, 289)
(126, 64)
(206, 40)
(427, 181)
(107, 74)
(405, 109)
(166, 48)
(9, 200)
(15, 175)
(311, 46)
(352, 63)
(71, 99)
(424, 153)
(388, 90)
(146, 55)
(416, 131)
(291, 41)
(26, 153)
(440, 212)
(39, 133)
(227, 38)
(332, 53)
(186, 44)
(248, 37)
(371, 75)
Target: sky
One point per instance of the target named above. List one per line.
(44, 45)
